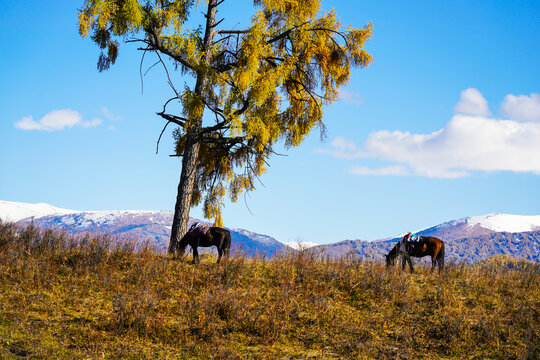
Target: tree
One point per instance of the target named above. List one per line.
(263, 84)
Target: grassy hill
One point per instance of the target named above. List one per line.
(90, 297)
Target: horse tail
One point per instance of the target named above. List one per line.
(227, 245)
(440, 256)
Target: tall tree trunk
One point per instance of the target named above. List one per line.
(191, 149)
(185, 190)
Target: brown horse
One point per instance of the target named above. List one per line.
(425, 246)
(213, 236)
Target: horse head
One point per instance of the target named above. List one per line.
(184, 242)
(389, 260)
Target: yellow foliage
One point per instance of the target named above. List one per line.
(265, 85)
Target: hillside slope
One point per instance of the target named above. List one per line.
(153, 226)
(94, 301)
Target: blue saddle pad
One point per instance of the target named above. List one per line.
(199, 228)
(414, 238)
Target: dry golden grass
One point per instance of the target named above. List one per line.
(87, 298)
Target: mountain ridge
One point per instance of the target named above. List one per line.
(154, 226)
(468, 239)
(465, 240)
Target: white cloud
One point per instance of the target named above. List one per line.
(109, 115)
(395, 170)
(522, 107)
(56, 120)
(27, 123)
(472, 103)
(351, 97)
(343, 149)
(469, 142)
(93, 123)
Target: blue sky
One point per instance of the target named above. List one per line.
(444, 124)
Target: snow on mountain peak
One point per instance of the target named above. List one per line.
(300, 245)
(15, 211)
(505, 222)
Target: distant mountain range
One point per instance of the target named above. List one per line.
(469, 239)
(154, 226)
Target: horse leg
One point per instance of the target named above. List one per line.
(195, 255)
(220, 252)
(410, 263)
(433, 262)
(227, 245)
(440, 261)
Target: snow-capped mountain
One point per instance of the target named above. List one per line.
(468, 239)
(479, 225)
(505, 222)
(15, 211)
(154, 226)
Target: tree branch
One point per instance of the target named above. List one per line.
(159, 138)
(158, 45)
(333, 31)
(232, 31)
(173, 118)
(140, 72)
(285, 33)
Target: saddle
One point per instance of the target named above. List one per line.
(414, 241)
(415, 238)
(199, 228)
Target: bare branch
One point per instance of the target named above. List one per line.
(232, 31)
(168, 101)
(140, 72)
(168, 76)
(219, 22)
(245, 201)
(223, 39)
(159, 138)
(150, 68)
(173, 118)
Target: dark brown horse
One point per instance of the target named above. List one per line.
(425, 246)
(213, 236)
